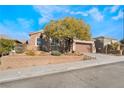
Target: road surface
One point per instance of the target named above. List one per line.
(105, 76)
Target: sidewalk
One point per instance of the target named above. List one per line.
(23, 73)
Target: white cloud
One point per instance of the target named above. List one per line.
(114, 9)
(45, 18)
(111, 9)
(16, 29)
(95, 14)
(77, 13)
(48, 9)
(119, 16)
(46, 12)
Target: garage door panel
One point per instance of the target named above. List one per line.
(83, 47)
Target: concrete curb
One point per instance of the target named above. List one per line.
(17, 74)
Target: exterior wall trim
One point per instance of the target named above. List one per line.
(83, 41)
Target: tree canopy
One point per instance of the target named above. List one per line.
(68, 27)
(6, 45)
(65, 31)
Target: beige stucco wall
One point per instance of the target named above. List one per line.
(78, 45)
(32, 45)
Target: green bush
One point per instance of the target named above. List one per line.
(6, 46)
(30, 53)
(55, 53)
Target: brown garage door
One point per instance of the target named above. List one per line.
(83, 47)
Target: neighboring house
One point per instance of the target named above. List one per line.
(101, 42)
(37, 41)
(17, 45)
(122, 48)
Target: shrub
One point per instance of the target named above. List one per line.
(88, 57)
(55, 53)
(30, 53)
(6, 46)
(74, 54)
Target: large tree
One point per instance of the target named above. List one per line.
(67, 29)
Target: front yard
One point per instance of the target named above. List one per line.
(21, 61)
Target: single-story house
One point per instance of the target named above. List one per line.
(37, 41)
(102, 41)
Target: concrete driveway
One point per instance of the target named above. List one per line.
(104, 76)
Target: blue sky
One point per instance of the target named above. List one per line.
(18, 21)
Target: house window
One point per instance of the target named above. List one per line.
(38, 41)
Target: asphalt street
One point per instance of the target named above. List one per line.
(105, 76)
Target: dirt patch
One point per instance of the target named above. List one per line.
(21, 61)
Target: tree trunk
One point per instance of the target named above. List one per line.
(66, 45)
(48, 44)
(62, 46)
(71, 45)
